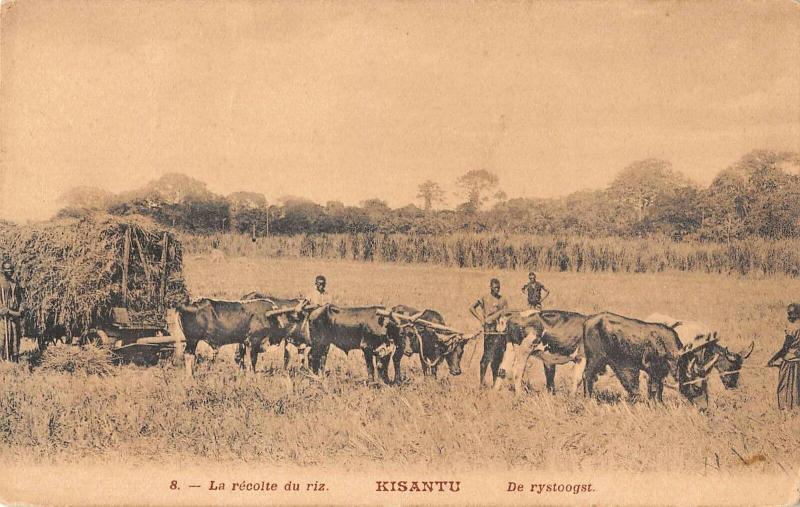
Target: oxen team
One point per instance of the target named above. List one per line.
(659, 345)
(258, 320)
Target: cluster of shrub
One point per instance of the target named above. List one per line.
(757, 196)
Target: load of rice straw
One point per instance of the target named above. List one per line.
(72, 271)
(88, 360)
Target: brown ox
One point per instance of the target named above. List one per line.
(629, 346)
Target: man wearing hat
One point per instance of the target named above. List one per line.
(11, 311)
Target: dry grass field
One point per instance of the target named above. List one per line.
(447, 423)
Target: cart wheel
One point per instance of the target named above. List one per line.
(96, 337)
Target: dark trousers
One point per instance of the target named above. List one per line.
(11, 334)
(494, 345)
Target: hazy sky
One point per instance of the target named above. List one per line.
(351, 100)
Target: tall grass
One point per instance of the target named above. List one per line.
(224, 414)
(546, 253)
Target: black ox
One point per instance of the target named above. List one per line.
(629, 346)
(351, 329)
(250, 324)
(419, 339)
(283, 328)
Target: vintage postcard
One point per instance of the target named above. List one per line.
(399, 252)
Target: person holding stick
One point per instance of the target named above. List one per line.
(11, 311)
(492, 306)
(788, 360)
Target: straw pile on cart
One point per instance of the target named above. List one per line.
(74, 270)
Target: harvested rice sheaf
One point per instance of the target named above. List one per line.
(88, 360)
(72, 270)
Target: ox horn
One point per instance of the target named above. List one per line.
(301, 305)
(392, 316)
(279, 311)
(418, 315)
(749, 350)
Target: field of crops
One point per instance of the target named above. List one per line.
(222, 414)
(752, 256)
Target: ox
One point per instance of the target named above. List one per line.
(420, 339)
(554, 336)
(285, 328)
(350, 329)
(221, 323)
(729, 363)
(629, 346)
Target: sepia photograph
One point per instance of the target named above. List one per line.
(399, 253)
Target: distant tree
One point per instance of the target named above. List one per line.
(380, 215)
(375, 206)
(299, 216)
(248, 212)
(679, 215)
(641, 182)
(477, 186)
(175, 188)
(332, 206)
(431, 193)
(756, 195)
(178, 201)
(205, 215)
(356, 220)
(637, 188)
(520, 216)
(239, 200)
(84, 197)
(293, 200)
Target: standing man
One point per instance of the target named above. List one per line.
(789, 357)
(317, 298)
(534, 291)
(492, 306)
(11, 311)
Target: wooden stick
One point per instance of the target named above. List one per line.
(164, 273)
(408, 318)
(144, 262)
(279, 311)
(6, 340)
(126, 253)
(160, 340)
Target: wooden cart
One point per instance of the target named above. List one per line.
(142, 343)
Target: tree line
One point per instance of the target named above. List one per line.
(759, 196)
